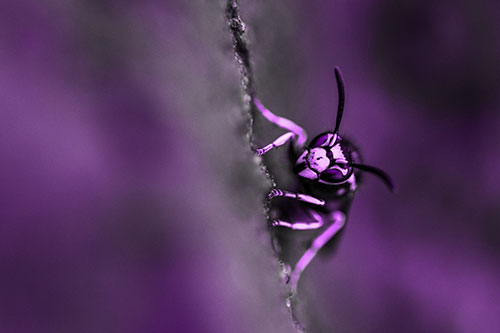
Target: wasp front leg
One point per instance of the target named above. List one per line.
(276, 143)
(298, 196)
(316, 223)
(339, 219)
(283, 123)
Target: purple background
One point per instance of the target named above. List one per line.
(130, 201)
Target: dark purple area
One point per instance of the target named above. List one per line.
(130, 200)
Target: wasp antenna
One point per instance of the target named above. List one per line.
(377, 172)
(340, 109)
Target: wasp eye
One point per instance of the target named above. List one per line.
(319, 140)
(332, 176)
(323, 140)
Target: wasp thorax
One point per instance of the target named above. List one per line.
(317, 159)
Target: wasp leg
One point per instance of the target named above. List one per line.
(283, 123)
(338, 223)
(316, 224)
(276, 143)
(298, 196)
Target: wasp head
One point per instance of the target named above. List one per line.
(330, 160)
(327, 159)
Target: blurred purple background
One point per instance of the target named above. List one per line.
(131, 202)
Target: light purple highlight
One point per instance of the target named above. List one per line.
(338, 223)
(318, 223)
(283, 123)
(276, 143)
(299, 196)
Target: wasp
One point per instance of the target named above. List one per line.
(328, 170)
